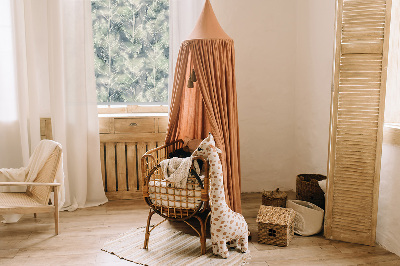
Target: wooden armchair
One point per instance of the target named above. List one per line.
(36, 197)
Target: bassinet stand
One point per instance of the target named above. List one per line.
(151, 172)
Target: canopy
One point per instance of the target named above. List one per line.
(209, 104)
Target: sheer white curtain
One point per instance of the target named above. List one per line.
(10, 155)
(183, 15)
(55, 78)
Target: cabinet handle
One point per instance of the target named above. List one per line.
(133, 124)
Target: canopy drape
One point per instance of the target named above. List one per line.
(211, 106)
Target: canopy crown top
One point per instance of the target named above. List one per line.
(207, 26)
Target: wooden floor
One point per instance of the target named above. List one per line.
(82, 233)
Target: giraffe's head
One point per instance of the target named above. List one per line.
(206, 147)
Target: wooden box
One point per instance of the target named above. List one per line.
(275, 225)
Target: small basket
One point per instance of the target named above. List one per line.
(308, 189)
(275, 225)
(274, 198)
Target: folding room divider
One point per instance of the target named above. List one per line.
(358, 98)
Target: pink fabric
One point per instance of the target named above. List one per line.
(211, 106)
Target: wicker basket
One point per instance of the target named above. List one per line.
(274, 198)
(308, 189)
(275, 225)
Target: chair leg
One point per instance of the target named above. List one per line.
(56, 211)
(34, 215)
(147, 235)
(56, 218)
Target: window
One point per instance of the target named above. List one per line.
(391, 131)
(392, 108)
(8, 99)
(131, 46)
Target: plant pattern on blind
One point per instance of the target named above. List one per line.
(131, 46)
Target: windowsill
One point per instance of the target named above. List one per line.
(392, 125)
(391, 133)
(134, 115)
(132, 110)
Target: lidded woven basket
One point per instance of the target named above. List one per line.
(274, 198)
(275, 225)
(308, 189)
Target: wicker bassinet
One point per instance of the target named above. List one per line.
(170, 202)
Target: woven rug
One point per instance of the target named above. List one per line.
(167, 247)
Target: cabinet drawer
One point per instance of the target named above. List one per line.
(106, 125)
(162, 124)
(134, 125)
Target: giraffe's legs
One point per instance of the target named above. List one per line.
(243, 244)
(222, 249)
(215, 248)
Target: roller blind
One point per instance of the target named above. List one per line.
(358, 97)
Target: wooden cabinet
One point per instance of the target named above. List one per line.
(106, 125)
(129, 128)
(162, 125)
(123, 141)
(135, 125)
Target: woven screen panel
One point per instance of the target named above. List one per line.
(356, 119)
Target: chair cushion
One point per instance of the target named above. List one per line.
(17, 199)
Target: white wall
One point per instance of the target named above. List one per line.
(264, 32)
(388, 227)
(284, 52)
(314, 60)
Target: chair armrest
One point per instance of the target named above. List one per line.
(29, 184)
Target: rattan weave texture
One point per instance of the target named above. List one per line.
(274, 198)
(16, 199)
(275, 225)
(308, 189)
(46, 175)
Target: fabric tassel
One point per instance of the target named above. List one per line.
(190, 83)
(193, 76)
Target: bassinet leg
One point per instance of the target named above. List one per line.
(147, 235)
(203, 236)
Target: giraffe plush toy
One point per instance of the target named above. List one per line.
(226, 225)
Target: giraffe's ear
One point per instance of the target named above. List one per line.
(210, 136)
(216, 149)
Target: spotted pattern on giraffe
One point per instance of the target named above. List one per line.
(226, 225)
